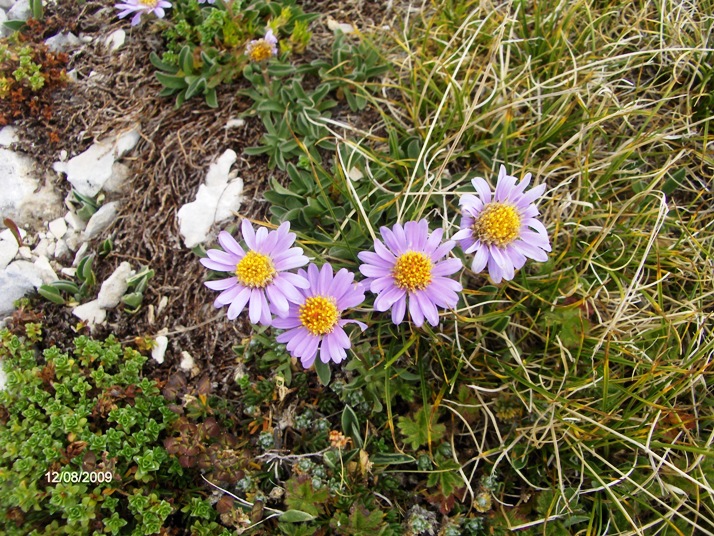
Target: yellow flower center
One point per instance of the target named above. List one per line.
(255, 270)
(319, 315)
(498, 224)
(150, 3)
(412, 271)
(260, 50)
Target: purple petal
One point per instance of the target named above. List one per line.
(370, 270)
(295, 280)
(288, 322)
(229, 243)
(254, 308)
(218, 266)
(380, 284)
(325, 280)
(291, 263)
(298, 339)
(442, 250)
(447, 267)
(433, 241)
(238, 303)
(224, 298)
(480, 259)
(340, 337)
(391, 241)
(341, 284)
(136, 19)
(248, 233)
(350, 299)
(426, 306)
(537, 226)
(222, 257)
(387, 298)
(398, 310)
(383, 252)
(277, 300)
(373, 258)
(535, 253)
(221, 284)
(483, 189)
(287, 289)
(504, 187)
(415, 312)
(532, 195)
(462, 234)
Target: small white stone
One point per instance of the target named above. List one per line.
(75, 222)
(80, 253)
(187, 362)
(8, 136)
(58, 227)
(20, 10)
(3, 378)
(61, 249)
(45, 271)
(8, 251)
(235, 123)
(334, 26)
(115, 40)
(355, 174)
(63, 155)
(62, 41)
(25, 252)
(42, 248)
(90, 313)
(73, 240)
(217, 199)
(163, 302)
(7, 234)
(114, 287)
(117, 181)
(69, 272)
(26, 270)
(158, 351)
(101, 219)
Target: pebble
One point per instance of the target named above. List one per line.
(114, 287)
(187, 362)
(101, 219)
(91, 313)
(158, 351)
(8, 251)
(58, 228)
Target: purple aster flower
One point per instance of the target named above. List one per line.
(410, 266)
(204, 1)
(259, 274)
(139, 7)
(501, 231)
(262, 49)
(315, 322)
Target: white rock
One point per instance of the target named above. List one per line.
(44, 270)
(7, 234)
(158, 351)
(17, 182)
(88, 171)
(91, 313)
(69, 272)
(334, 26)
(101, 219)
(235, 123)
(8, 251)
(63, 155)
(115, 40)
(216, 201)
(8, 134)
(117, 182)
(79, 255)
(4, 30)
(58, 227)
(355, 174)
(75, 222)
(42, 248)
(187, 362)
(61, 249)
(62, 42)
(25, 252)
(73, 240)
(15, 281)
(114, 287)
(163, 302)
(6, 4)
(3, 377)
(20, 10)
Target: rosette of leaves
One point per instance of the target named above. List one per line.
(85, 277)
(351, 69)
(289, 113)
(190, 77)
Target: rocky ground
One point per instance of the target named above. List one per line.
(164, 180)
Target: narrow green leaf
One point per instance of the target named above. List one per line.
(324, 372)
(51, 294)
(296, 516)
(171, 81)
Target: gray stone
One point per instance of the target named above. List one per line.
(88, 171)
(8, 251)
(114, 287)
(62, 42)
(20, 10)
(19, 278)
(90, 313)
(158, 351)
(8, 134)
(100, 220)
(58, 228)
(17, 183)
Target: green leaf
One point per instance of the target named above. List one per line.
(196, 85)
(36, 8)
(84, 270)
(156, 62)
(65, 286)
(186, 60)
(296, 516)
(171, 81)
(51, 293)
(15, 25)
(421, 429)
(350, 426)
(324, 372)
(211, 98)
(391, 458)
